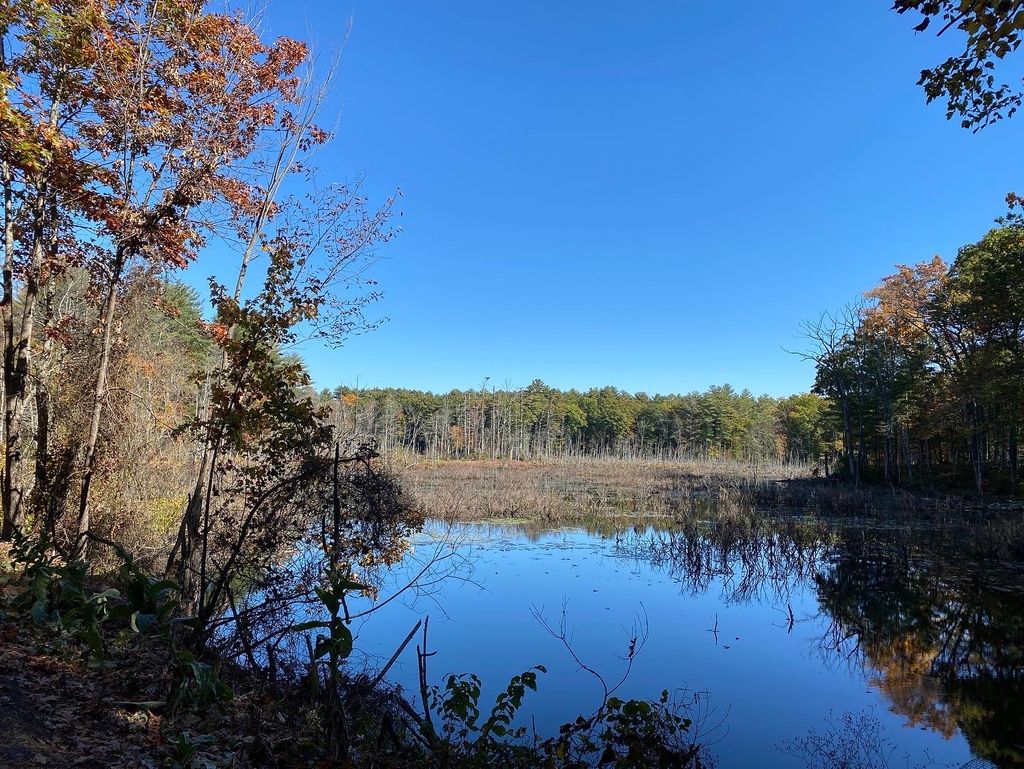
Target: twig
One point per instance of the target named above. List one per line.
(380, 676)
(714, 630)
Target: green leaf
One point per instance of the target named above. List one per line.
(141, 623)
(349, 584)
(167, 608)
(344, 640)
(329, 600)
(322, 647)
(40, 611)
(193, 623)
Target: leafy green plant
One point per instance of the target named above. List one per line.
(148, 600)
(622, 733)
(181, 753)
(335, 645)
(627, 734)
(195, 684)
(191, 751)
(458, 705)
(58, 595)
(29, 554)
(465, 740)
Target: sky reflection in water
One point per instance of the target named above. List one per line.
(903, 638)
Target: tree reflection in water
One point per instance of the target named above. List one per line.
(936, 625)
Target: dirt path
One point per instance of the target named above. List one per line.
(57, 712)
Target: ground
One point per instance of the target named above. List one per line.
(57, 712)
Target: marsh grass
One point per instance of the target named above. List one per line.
(623, 492)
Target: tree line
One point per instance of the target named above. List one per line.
(925, 377)
(541, 421)
(134, 135)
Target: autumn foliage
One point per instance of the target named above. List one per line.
(925, 377)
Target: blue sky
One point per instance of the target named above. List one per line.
(651, 195)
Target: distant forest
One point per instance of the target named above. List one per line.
(541, 421)
(921, 383)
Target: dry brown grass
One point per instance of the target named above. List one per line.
(576, 489)
(568, 491)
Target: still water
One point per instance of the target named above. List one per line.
(772, 636)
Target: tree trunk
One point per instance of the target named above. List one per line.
(98, 397)
(977, 456)
(18, 353)
(1013, 459)
(10, 494)
(42, 470)
(848, 440)
(18, 341)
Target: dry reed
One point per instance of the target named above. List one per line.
(581, 490)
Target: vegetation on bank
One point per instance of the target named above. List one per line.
(924, 378)
(917, 385)
(612, 494)
(172, 488)
(183, 522)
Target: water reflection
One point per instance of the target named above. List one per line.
(814, 617)
(939, 633)
(762, 561)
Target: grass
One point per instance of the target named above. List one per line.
(584, 490)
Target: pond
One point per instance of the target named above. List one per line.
(885, 638)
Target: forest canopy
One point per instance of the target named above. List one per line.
(924, 376)
(541, 421)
